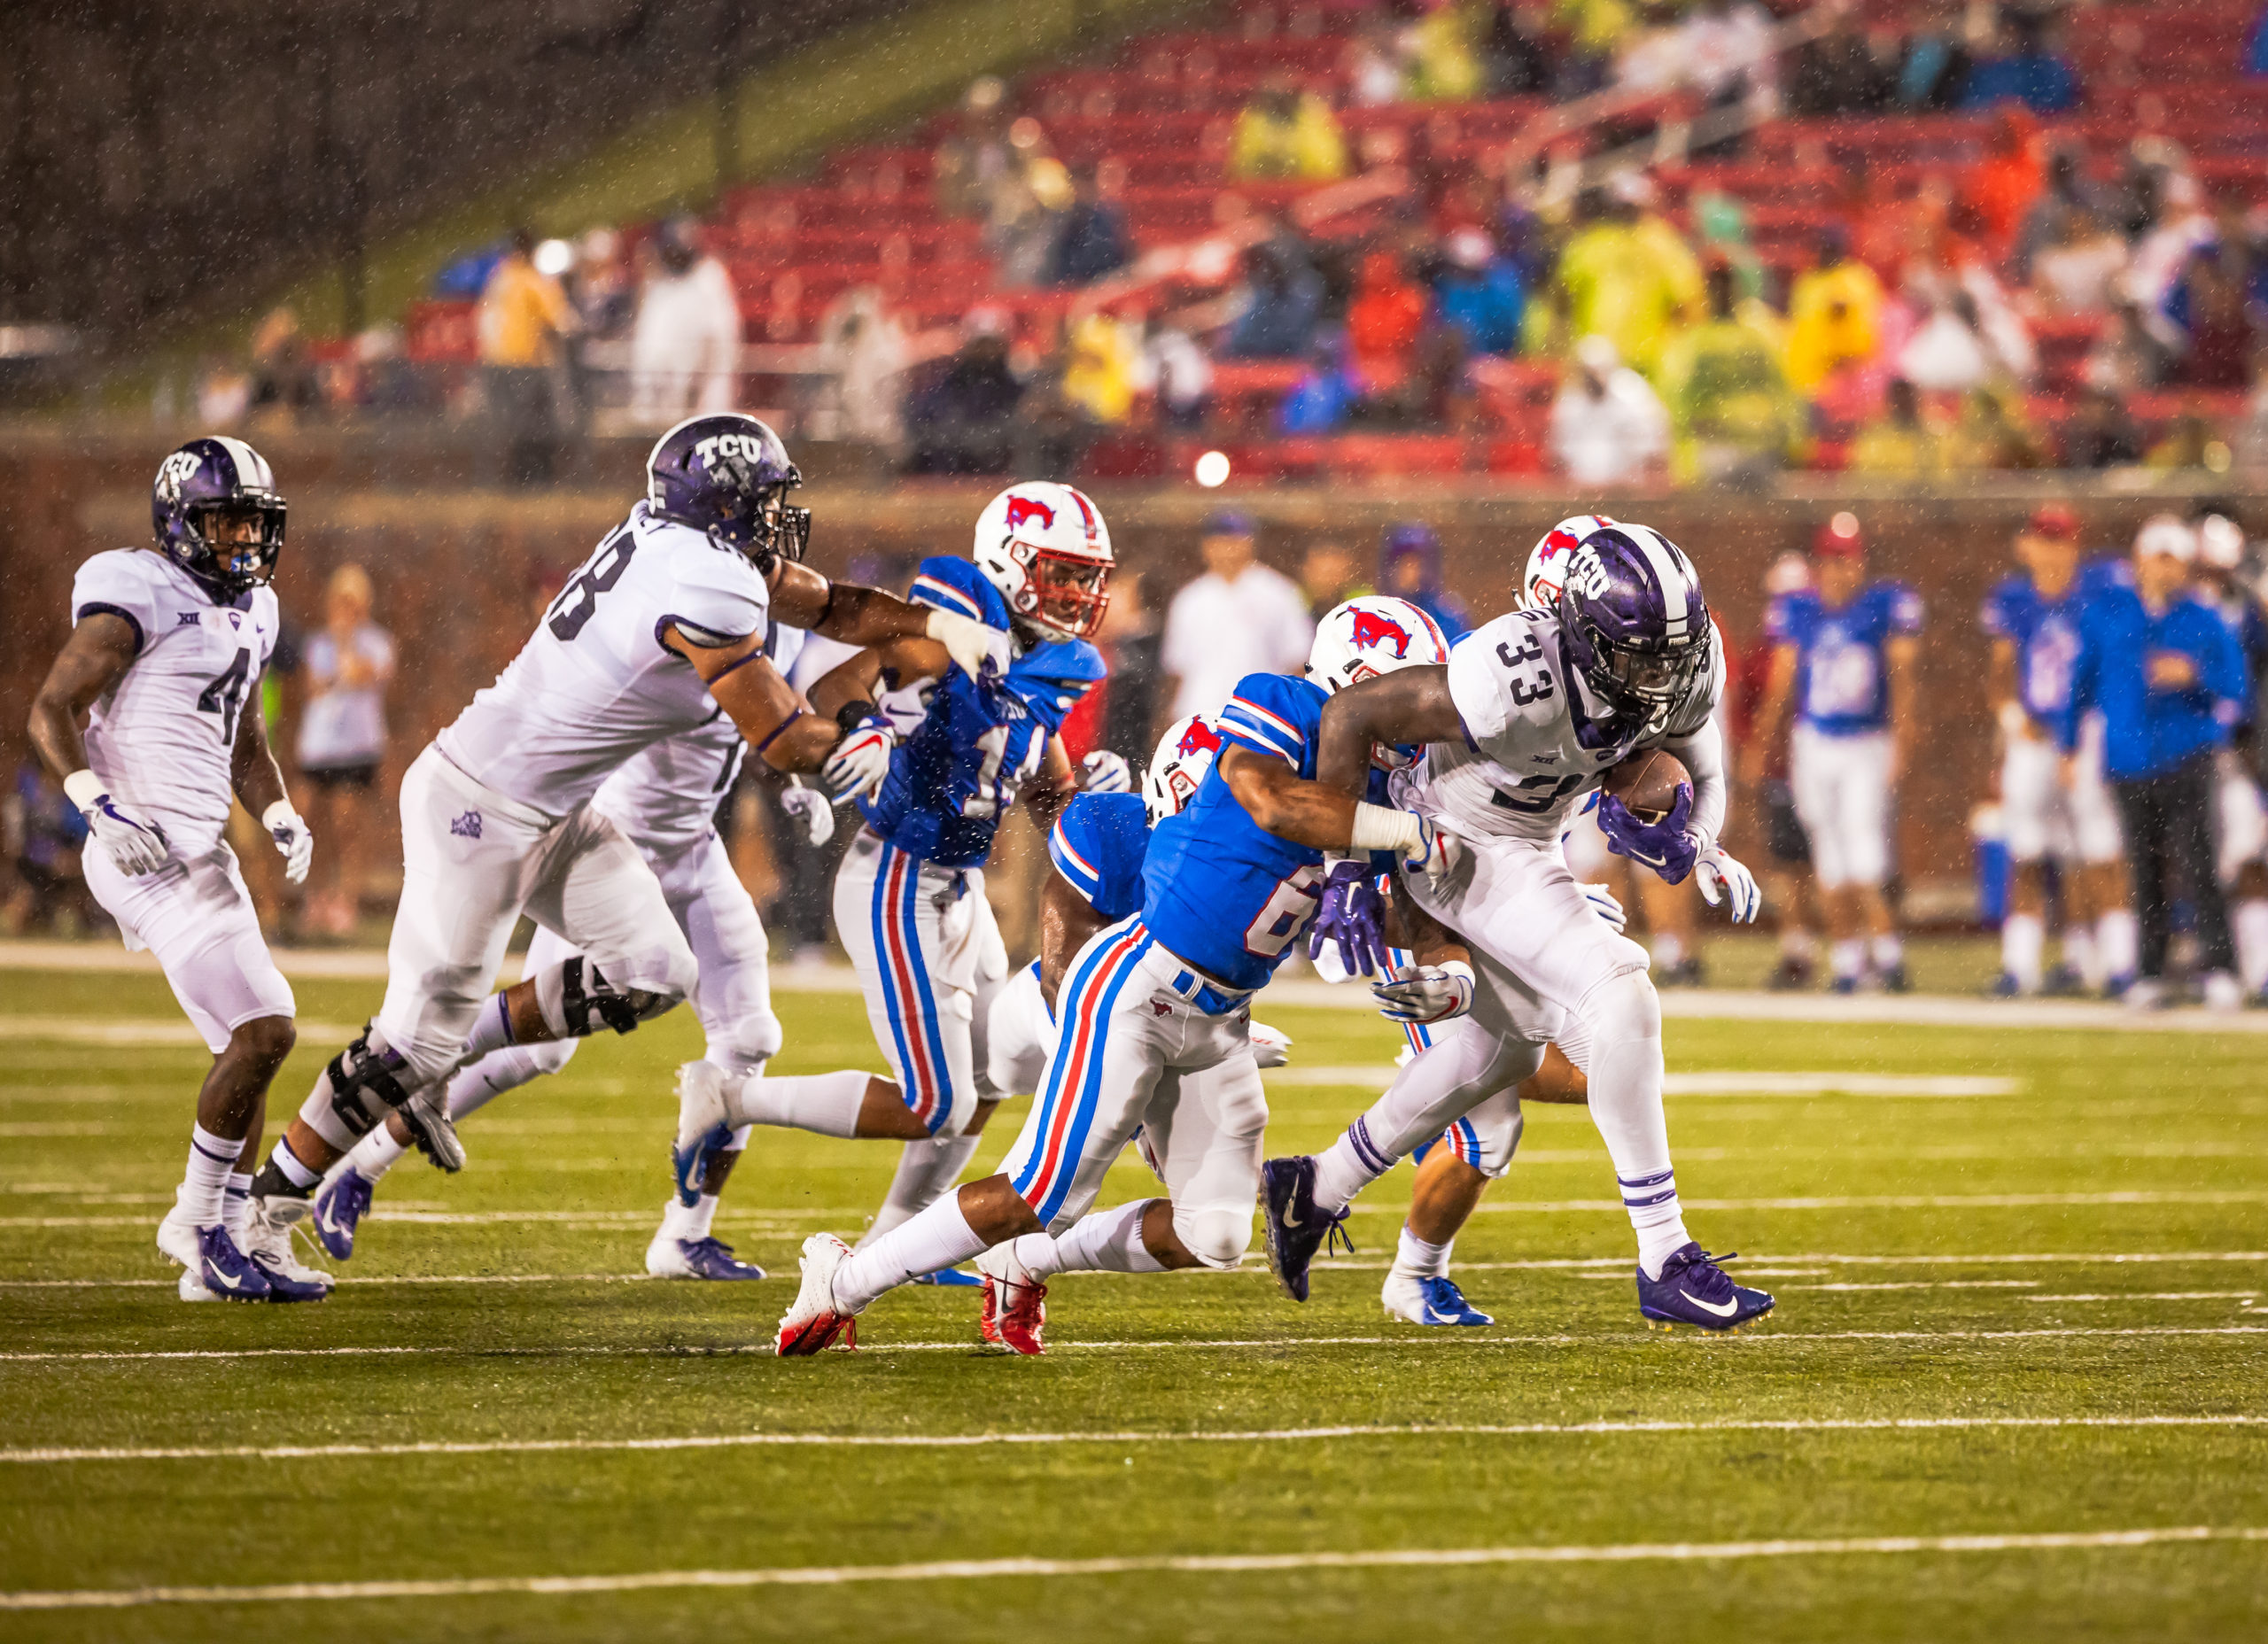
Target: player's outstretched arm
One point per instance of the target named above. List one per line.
(860, 616)
(759, 699)
(93, 659)
(1285, 804)
(1408, 705)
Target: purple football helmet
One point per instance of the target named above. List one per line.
(207, 479)
(728, 475)
(1635, 625)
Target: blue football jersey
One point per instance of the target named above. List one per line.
(1219, 890)
(2046, 635)
(955, 775)
(1842, 682)
(1097, 844)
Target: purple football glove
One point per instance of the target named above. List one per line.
(1353, 914)
(1662, 846)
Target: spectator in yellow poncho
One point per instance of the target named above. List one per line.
(1099, 370)
(1729, 404)
(1833, 314)
(1285, 135)
(1629, 277)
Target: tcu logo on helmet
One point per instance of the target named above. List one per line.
(1022, 508)
(177, 470)
(716, 446)
(1371, 629)
(1588, 577)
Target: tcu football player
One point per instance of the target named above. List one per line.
(936, 755)
(1518, 726)
(1228, 887)
(151, 717)
(665, 622)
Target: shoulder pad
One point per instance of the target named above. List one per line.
(956, 584)
(1051, 680)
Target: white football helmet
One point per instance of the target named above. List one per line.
(1369, 636)
(1185, 753)
(1547, 561)
(1044, 546)
(2220, 542)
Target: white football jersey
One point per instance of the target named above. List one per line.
(594, 686)
(666, 797)
(1523, 769)
(160, 738)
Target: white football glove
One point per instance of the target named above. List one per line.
(1103, 772)
(1271, 1047)
(972, 646)
(135, 847)
(1437, 854)
(1725, 883)
(860, 762)
(1604, 905)
(294, 839)
(809, 807)
(1426, 993)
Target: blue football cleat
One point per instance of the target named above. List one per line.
(1843, 984)
(2006, 987)
(340, 1206)
(951, 1276)
(1429, 1301)
(1296, 1228)
(1694, 1289)
(690, 1165)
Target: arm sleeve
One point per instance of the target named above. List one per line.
(109, 584)
(718, 599)
(1704, 754)
(1262, 715)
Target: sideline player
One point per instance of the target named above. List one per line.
(666, 800)
(663, 624)
(909, 897)
(2052, 813)
(1228, 887)
(1529, 712)
(151, 717)
(1845, 655)
(2243, 842)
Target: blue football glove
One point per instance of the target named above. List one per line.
(1662, 846)
(1352, 915)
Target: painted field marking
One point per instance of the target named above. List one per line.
(1425, 1340)
(1727, 1083)
(958, 1441)
(1227, 1563)
(356, 1280)
(2162, 1295)
(150, 1030)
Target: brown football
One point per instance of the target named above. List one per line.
(1646, 783)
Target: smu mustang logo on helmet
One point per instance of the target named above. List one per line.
(1200, 737)
(1372, 629)
(1022, 508)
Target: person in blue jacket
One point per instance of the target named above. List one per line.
(2169, 679)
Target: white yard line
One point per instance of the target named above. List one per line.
(1423, 1339)
(1226, 1564)
(1380, 1074)
(2161, 1295)
(961, 1441)
(132, 1031)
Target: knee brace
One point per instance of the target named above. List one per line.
(1218, 1238)
(578, 1000)
(359, 1087)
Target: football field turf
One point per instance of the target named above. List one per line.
(2011, 1389)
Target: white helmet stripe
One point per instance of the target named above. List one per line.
(1673, 578)
(252, 468)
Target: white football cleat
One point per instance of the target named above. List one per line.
(268, 1241)
(1014, 1311)
(815, 1320)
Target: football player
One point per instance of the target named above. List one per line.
(665, 798)
(1518, 728)
(936, 756)
(1844, 656)
(151, 716)
(2243, 844)
(665, 622)
(2052, 814)
(1228, 887)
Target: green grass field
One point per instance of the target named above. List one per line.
(2032, 1314)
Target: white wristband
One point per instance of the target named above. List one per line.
(1381, 827)
(84, 787)
(279, 814)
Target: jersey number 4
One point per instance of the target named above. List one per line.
(578, 600)
(225, 696)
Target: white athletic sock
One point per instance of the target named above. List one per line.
(825, 1104)
(2083, 954)
(2023, 942)
(493, 1031)
(2249, 922)
(1888, 952)
(1464, 1064)
(1104, 1241)
(940, 1237)
(296, 1173)
(1669, 951)
(205, 1184)
(1657, 1217)
(692, 1221)
(480, 1083)
(236, 1206)
(1848, 959)
(1626, 1107)
(376, 1155)
(2120, 939)
(926, 1172)
(1414, 1256)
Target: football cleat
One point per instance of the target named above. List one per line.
(211, 1259)
(814, 1320)
(1895, 980)
(1428, 1301)
(426, 1115)
(1015, 1313)
(1793, 975)
(703, 1126)
(340, 1204)
(1296, 1228)
(2006, 987)
(268, 1241)
(1845, 985)
(668, 1258)
(1694, 1289)
(952, 1278)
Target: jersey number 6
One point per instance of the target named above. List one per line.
(1278, 923)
